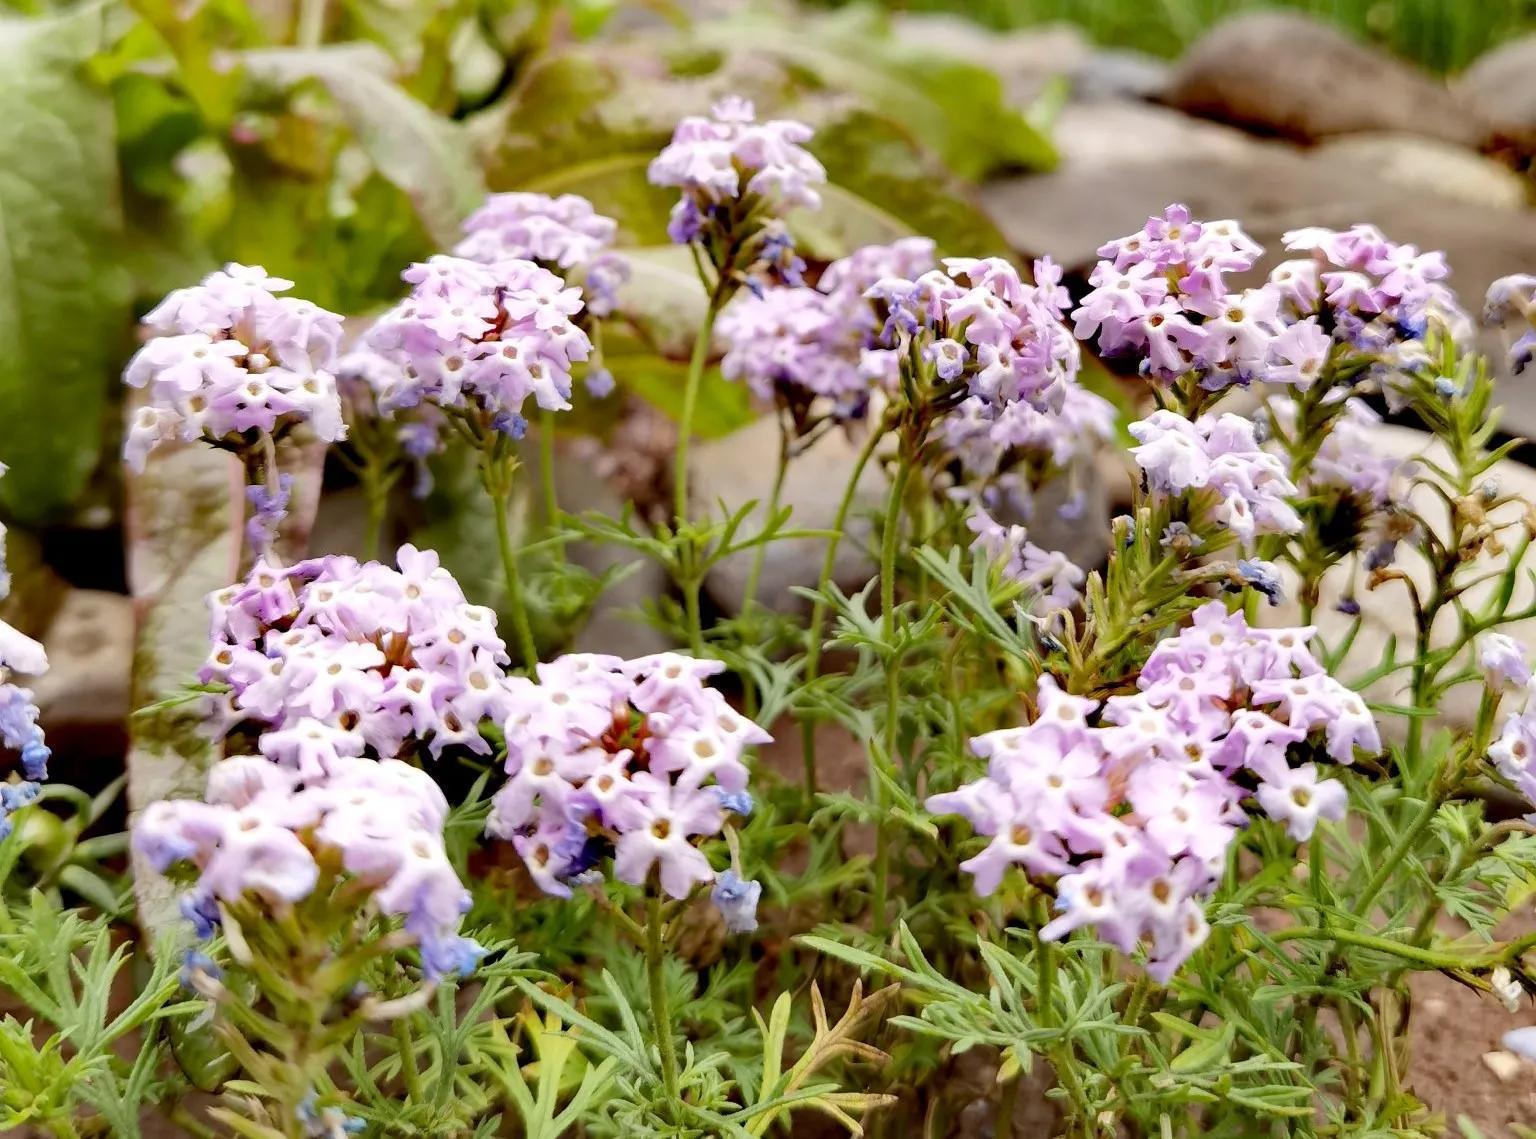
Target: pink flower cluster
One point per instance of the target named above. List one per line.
(980, 324)
(480, 336)
(261, 827)
(230, 358)
(1373, 293)
(332, 658)
(1513, 299)
(719, 160)
(1222, 456)
(1051, 578)
(639, 756)
(1131, 805)
(803, 343)
(1163, 294)
(561, 234)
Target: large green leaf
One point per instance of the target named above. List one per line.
(426, 155)
(63, 295)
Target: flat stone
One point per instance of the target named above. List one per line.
(1289, 75)
(1118, 74)
(740, 468)
(83, 699)
(1505, 1065)
(1424, 165)
(1501, 84)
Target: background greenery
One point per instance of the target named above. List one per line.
(1442, 35)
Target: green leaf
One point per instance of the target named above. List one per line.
(63, 294)
(421, 152)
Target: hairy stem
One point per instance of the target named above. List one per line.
(893, 513)
(661, 1013)
(760, 554)
(498, 487)
(701, 346)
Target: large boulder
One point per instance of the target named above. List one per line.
(1425, 165)
(1502, 86)
(1286, 74)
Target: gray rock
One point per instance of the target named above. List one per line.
(1117, 74)
(1501, 84)
(1287, 74)
(1425, 165)
(740, 468)
(83, 699)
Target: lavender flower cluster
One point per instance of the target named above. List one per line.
(637, 757)
(1506, 670)
(1162, 294)
(19, 729)
(562, 234)
(333, 658)
(799, 344)
(1131, 804)
(229, 358)
(1054, 582)
(263, 832)
(483, 338)
(1220, 457)
(730, 167)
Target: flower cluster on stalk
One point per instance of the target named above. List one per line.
(332, 659)
(738, 177)
(480, 340)
(794, 345)
(229, 361)
(637, 760)
(1130, 805)
(1512, 300)
(565, 235)
(263, 832)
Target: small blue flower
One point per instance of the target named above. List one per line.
(510, 424)
(736, 899)
(196, 962)
(452, 956)
(202, 911)
(1262, 576)
(738, 801)
(599, 383)
(1349, 607)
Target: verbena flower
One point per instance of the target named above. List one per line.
(1247, 489)
(259, 831)
(333, 658)
(799, 344)
(736, 176)
(480, 338)
(229, 359)
(563, 234)
(630, 759)
(1130, 805)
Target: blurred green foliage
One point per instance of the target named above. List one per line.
(1441, 35)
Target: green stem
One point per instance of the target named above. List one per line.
(311, 26)
(500, 495)
(819, 608)
(409, 1071)
(376, 495)
(701, 346)
(661, 1013)
(1405, 841)
(760, 554)
(893, 512)
(547, 466)
(1007, 1107)
(1458, 961)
